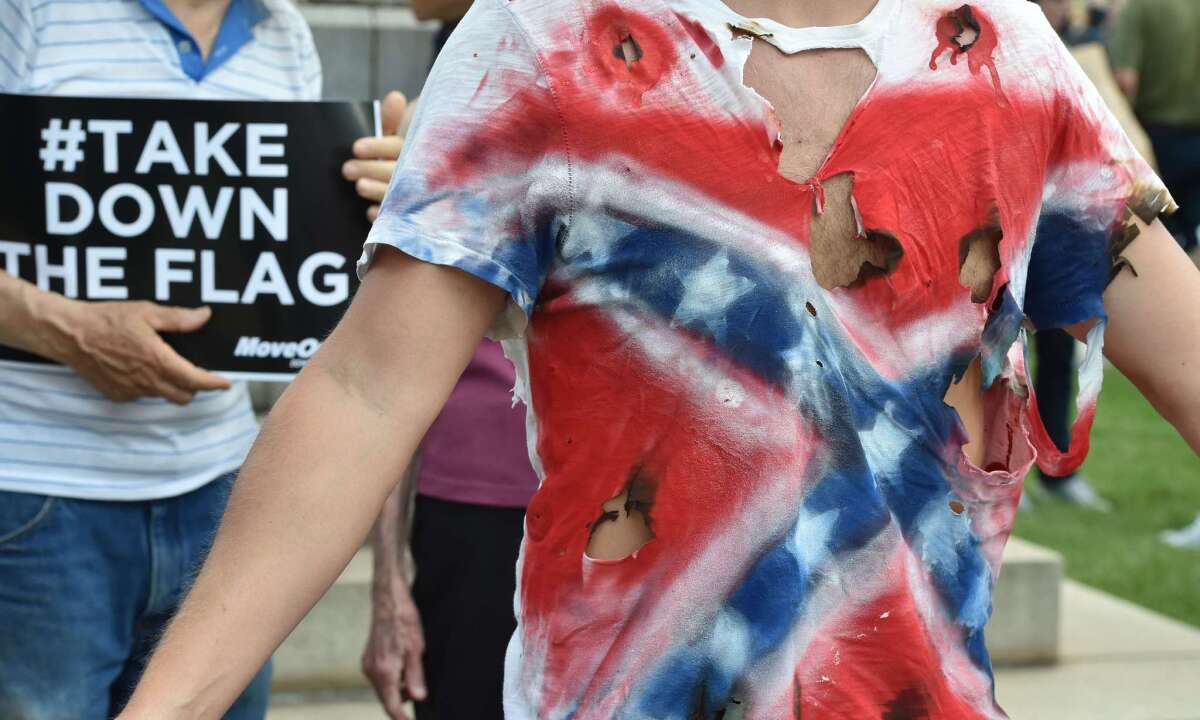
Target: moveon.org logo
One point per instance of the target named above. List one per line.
(295, 351)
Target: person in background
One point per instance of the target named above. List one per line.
(1156, 57)
(1059, 13)
(116, 464)
(442, 644)
(474, 481)
(1054, 377)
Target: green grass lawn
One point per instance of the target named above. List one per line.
(1140, 463)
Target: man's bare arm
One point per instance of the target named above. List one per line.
(327, 457)
(1153, 333)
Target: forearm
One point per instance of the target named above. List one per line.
(299, 511)
(330, 453)
(389, 542)
(32, 319)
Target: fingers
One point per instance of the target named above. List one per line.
(380, 170)
(177, 395)
(392, 112)
(370, 189)
(387, 147)
(372, 213)
(387, 687)
(185, 376)
(393, 703)
(414, 673)
(166, 318)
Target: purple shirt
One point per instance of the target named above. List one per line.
(475, 451)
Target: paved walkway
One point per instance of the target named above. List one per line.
(1118, 662)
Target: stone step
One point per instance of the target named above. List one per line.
(325, 650)
(365, 710)
(339, 705)
(1026, 606)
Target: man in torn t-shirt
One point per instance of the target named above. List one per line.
(768, 283)
(819, 537)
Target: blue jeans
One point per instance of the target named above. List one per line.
(85, 589)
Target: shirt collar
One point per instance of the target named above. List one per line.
(237, 29)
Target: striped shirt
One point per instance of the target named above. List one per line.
(58, 435)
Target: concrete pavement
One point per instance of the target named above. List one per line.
(1117, 661)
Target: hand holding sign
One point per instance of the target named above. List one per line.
(116, 347)
(234, 206)
(375, 157)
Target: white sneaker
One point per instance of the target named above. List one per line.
(1187, 538)
(1076, 490)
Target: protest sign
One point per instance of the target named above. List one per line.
(237, 205)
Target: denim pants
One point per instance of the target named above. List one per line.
(85, 589)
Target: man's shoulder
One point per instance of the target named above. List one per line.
(1012, 15)
(285, 16)
(536, 14)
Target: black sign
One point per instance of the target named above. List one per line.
(237, 205)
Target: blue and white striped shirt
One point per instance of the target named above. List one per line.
(58, 435)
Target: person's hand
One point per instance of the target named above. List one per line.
(116, 347)
(375, 157)
(392, 659)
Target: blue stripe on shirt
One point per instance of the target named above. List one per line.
(96, 21)
(41, 410)
(97, 469)
(248, 57)
(170, 435)
(48, 3)
(16, 43)
(290, 87)
(15, 73)
(107, 41)
(206, 397)
(111, 81)
(284, 48)
(231, 90)
(17, 11)
(240, 435)
(95, 61)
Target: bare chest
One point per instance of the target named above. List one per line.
(813, 94)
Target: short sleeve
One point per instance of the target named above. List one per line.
(1095, 181)
(17, 42)
(483, 182)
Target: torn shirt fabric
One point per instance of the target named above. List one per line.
(821, 545)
